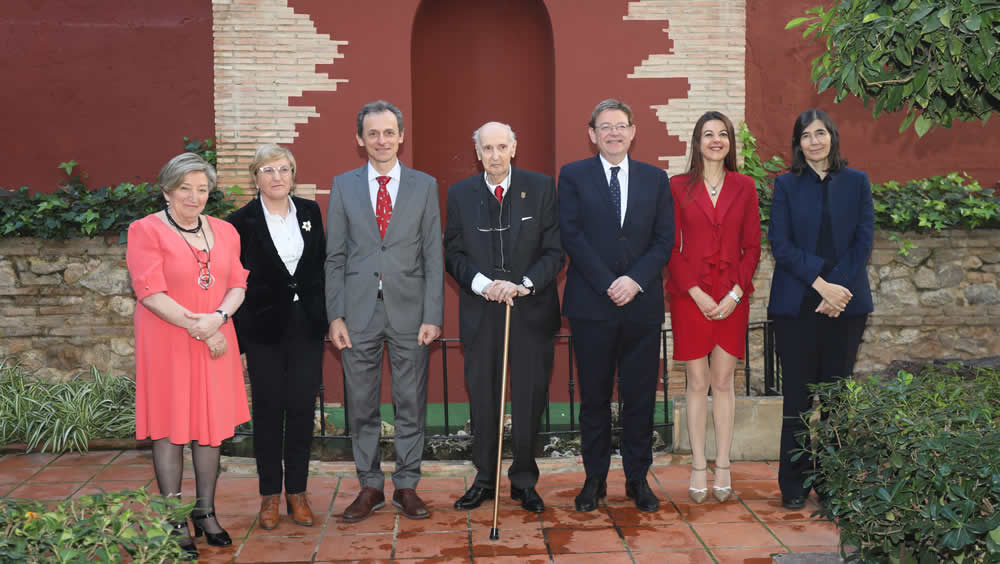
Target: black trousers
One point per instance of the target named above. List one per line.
(530, 365)
(284, 381)
(603, 348)
(813, 348)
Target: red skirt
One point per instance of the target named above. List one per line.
(695, 337)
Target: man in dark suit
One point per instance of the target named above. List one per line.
(616, 219)
(502, 247)
(385, 286)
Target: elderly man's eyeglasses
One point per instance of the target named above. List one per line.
(606, 128)
(270, 170)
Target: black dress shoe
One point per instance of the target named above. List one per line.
(215, 539)
(594, 489)
(474, 497)
(644, 497)
(529, 498)
(793, 502)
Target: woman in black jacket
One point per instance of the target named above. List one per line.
(281, 328)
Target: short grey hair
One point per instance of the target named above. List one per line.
(172, 174)
(475, 134)
(377, 107)
(610, 104)
(268, 153)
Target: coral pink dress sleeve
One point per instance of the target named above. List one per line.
(182, 393)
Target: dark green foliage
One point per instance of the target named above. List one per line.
(762, 172)
(912, 466)
(936, 60)
(953, 201)
(128, 526)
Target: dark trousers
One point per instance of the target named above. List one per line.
(529, 367)
(813, 348)
(284, 381)
(603, 348)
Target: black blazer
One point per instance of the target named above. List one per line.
(601, 249)
(796, 216)
(270, 288)
(536, 254)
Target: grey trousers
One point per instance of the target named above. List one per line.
(363, 373)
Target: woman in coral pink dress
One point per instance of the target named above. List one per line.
(716, 250)
(188, 280)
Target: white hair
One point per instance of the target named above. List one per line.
(475, 134)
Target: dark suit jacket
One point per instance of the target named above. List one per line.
(796, 215)
(600, 250)
(270, 288)
(536, 252)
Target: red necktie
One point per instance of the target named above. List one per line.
(383, 205)
(499, 193)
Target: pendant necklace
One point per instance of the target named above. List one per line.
(205, 276)
(714, 190)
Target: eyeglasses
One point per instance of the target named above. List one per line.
(606, 128)
(270, 170)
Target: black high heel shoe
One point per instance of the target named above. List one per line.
(188, 547)
(214, 539)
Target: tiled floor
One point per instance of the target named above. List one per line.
(747, 529)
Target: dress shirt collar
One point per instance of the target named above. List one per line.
(505, 183)
(394, 173)
(269, 215)
(623, 173)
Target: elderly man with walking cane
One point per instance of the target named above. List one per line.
(502, 248)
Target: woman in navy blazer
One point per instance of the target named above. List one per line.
(281, 328)
(822, 223)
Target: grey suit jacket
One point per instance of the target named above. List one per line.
(409, 259)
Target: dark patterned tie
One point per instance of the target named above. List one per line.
(616, 192)
(383, 205)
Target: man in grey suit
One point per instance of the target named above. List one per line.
(384, 286)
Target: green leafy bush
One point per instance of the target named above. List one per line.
(763, 172)
(63, 416)
(123, 526)
(940, 202)
(911, 465)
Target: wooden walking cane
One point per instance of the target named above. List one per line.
(495, 532)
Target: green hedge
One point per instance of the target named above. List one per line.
(911, 465)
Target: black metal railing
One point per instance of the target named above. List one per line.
(768, 364)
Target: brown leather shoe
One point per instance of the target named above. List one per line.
(298, 508)
(364, 505)
(268, 518)
(410, 504)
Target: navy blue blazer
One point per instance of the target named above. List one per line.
(600, 249)
(796, 214)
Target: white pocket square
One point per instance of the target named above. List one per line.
(527, 218)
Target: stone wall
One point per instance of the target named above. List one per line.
(67, 305)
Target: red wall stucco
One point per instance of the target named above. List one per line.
(114, 85)
(778, 89)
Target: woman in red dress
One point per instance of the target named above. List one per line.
(716, 250)
(186, 273)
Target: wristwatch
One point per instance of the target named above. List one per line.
(527, 284)
(225, 316)
(735, 298)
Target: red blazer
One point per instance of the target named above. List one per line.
(714, 248)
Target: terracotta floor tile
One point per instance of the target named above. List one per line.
(559, 495)
(678, 473)
(630, 516)
(436, 500)
(46, 490)
(139, 456)
(441, 560)
(278, 549)
(237, 525)
(531, 559)
(237, 485)
(426, 545)
(734, 535)
(16, 474)
(570, 541)
(34, 460)
(187, 485)
(514, 517)
(594, 558)
(382, 521)
(512, 542)
(761, 555)
(715, 512)
(757, 489)
(364, 561)
(237, 505)
(439, 521)
(125, 472)
(667, 537)
(92, 458)
(832, 548)
(676, 491)
(566, 479)
(566, 517)
(815, 533)
(770, 510)
(65, 473)
(455, 484)
(215, 554)
(5, 489)
(753, 471)
(322, 484)
(692, 556)
(94, 488)
(356, 547)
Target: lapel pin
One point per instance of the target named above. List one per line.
(522, 195)
(307, 226)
